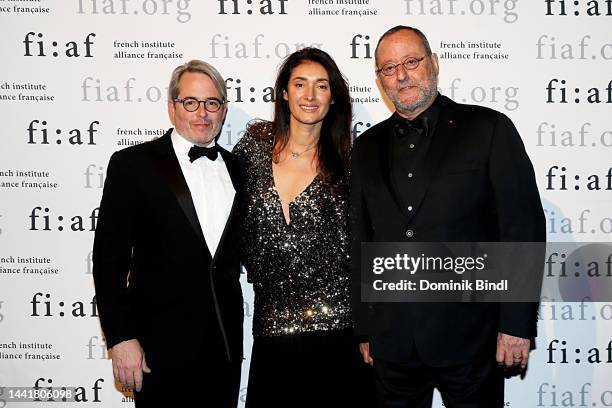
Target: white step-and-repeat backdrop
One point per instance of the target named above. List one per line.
(83, 78)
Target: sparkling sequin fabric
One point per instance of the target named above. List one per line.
(299, 270)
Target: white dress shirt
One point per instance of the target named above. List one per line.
(211, 189)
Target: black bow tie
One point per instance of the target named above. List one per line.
(197, 151)
(404, 126)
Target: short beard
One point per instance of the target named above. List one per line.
(428, 94)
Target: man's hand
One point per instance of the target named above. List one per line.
(364, 348)
(512, 351)
(129, 363)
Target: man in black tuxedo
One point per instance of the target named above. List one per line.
(438, 171)
(166, 265)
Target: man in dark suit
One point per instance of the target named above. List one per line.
(438, 171)
(166, 266)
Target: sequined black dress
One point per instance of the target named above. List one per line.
(303, 348)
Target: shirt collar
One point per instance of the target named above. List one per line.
(181, 145)
(426, 119)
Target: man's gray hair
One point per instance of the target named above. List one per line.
(196, 66)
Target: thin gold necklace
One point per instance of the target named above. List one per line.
(295, 155)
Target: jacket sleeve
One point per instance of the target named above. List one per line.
(520, 219)
(360, 227)
(112, 253)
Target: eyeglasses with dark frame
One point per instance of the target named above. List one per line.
(409, 64)
(192, 104)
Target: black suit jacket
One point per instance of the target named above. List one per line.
(155, 278)
(477, 185)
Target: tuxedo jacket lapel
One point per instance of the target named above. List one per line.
(172, 173)
(171, 170)
(234, 173)
(437, 149)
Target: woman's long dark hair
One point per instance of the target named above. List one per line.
(334, 143)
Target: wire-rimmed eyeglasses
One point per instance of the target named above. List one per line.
(409, 64)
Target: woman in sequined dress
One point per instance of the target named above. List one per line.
(296, 243)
